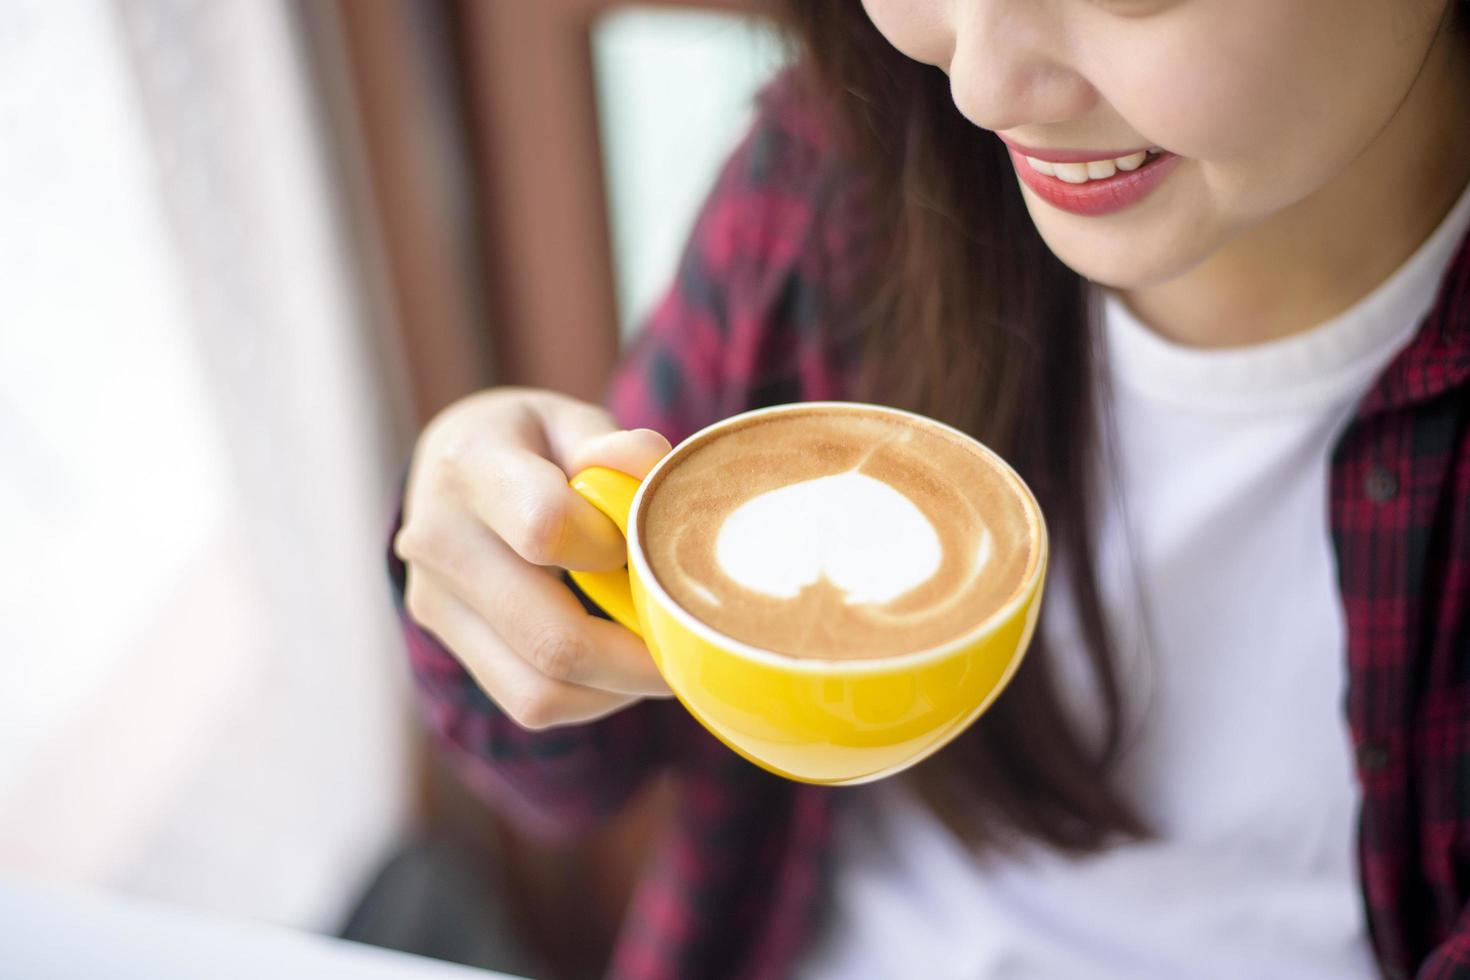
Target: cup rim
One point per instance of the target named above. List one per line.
(813, 665)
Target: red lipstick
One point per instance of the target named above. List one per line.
(1096, 197)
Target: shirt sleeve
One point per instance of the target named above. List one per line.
(747, 319)
(1450, 960)
(721, 340)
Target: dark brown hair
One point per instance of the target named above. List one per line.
(976, 323)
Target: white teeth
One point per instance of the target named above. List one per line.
(1041, 166)
(1072, 173)
(1132, 161)
(1081, 173)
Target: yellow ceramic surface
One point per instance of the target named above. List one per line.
(834, 722)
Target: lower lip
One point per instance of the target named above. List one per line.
(1097, 197)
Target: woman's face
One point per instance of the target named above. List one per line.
(1265, 102)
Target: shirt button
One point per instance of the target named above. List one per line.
(1372, 756)
(1380, 484)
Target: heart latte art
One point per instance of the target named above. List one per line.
(838, 533)
(787, 539)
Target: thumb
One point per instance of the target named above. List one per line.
(630, 451)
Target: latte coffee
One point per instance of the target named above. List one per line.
(839, 532)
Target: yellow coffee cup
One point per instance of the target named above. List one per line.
(834, 722)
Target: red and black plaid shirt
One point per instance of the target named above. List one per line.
(733, 884)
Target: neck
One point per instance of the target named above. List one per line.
(1317, 258)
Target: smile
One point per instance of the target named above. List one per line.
(1093, 188)
(1081, 173)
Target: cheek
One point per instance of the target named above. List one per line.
(1268, 106)
(1214, 87)
(918, 28)
(1263, 97)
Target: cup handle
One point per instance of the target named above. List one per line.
(612, 493)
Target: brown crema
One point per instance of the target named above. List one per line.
(960, 490)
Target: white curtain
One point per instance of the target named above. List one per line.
(202, 697)
(675, 92)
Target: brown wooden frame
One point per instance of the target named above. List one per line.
(468, 133)
(395, 110)
(533, 106)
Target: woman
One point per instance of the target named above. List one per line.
(1198, 268)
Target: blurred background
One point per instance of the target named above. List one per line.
(247, 249)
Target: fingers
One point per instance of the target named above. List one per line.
(516, 482)
(633, 452)
(533, 700)
(487, 516)
(525, 500)
(535, 614)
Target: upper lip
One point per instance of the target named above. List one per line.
(1069, 156)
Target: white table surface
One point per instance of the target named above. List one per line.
(51, 933)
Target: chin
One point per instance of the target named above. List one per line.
(1119, 261)
(1120, 272)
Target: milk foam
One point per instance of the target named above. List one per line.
(866, 538)
(837, 533)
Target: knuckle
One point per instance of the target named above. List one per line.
(418, 599)
(445, 451)
(446, 467)
(455, 449)
(533, 708)
(543, 522)
(432, 547)
(418, 543)
(404, 543)
(590, 417)
(557, 651)
(411, 542)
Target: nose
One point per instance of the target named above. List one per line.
(1012, 66)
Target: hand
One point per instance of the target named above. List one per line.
(489, 521)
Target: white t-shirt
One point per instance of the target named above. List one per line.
(1219, 583)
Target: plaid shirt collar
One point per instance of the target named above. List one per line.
(1437, 360)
